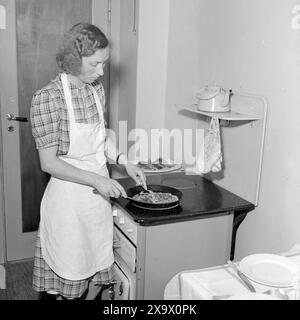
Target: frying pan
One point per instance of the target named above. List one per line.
(154, 206)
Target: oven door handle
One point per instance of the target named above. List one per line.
(112, 289)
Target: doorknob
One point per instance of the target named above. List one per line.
(11, 117)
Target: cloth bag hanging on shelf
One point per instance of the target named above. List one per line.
(210, 157)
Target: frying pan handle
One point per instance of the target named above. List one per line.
(95, 191)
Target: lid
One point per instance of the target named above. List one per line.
(208, 92)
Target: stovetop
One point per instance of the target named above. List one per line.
(201, 199)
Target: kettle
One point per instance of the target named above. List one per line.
(214, 99)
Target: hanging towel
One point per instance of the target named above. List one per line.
(210, 157)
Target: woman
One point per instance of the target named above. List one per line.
(74, 255)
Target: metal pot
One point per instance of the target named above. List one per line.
(214, 99)
(154, 206)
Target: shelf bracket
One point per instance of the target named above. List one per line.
(224, 123)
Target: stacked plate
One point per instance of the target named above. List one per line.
(253, 296)
(270, 270)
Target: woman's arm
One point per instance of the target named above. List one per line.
(132, 170)
(60, 169)
(112, 152)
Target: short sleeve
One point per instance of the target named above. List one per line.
(44, 117)
(101, 92)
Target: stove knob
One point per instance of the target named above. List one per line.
(121, 289)
(122, 220)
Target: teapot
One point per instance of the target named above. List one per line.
(214, 99)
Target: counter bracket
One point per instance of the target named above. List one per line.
(238, 218)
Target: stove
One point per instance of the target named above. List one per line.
(201, 198)
(152, 246)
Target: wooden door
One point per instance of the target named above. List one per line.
(27, 62)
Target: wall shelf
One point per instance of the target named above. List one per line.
(242, 142)
(231, 115)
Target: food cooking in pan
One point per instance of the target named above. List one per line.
(155, 197)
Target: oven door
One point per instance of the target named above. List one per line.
(120, 289)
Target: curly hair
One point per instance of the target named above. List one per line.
(82, 40)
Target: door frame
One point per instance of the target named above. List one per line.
(3, 258)
(8, 174)
(2, 216)
(10, 142)
(101, 17)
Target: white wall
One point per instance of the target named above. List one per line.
(249, 46)
(172, 45)
(123, 70)
(114, 32)
(153, 35)
(191, 41)
(259, 52)
(246, 45)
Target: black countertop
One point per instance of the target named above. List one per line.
(201, 199)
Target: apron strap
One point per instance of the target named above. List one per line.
(69, 104)
(98, 104)
(68, 97)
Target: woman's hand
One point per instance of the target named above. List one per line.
(109, 188)
(136, 174)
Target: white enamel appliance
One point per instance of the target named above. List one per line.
(213, 99)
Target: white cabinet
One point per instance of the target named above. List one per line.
(150, 256)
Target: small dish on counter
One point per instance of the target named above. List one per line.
(158, 166)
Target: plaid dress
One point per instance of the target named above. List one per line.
(50, 127)
(49, 113)
(45, 279)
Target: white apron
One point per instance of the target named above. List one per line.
(76, 226)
